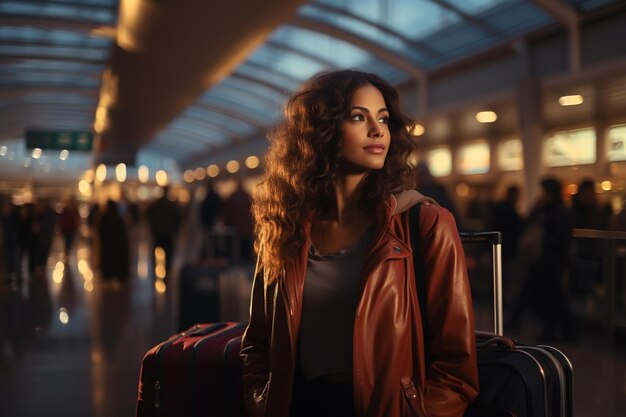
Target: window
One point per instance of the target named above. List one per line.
(616, 143)
(510, 155)
(570, 147)
(474, 158)
(439, 161)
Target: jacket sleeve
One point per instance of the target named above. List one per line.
(452, 375)
(255, 351)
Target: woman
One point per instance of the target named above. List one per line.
(335, 325)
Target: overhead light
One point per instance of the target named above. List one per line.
(189, 176)
(573, 100)
(3, 150)
(84, 187)
(418, 130)
(143, 174)
(64, 154)
(120, 172)
(36, 153)
(606, 185)
(252, 161)
(200, 173)
(486, 116)
(213, 170)
(232, 166)
(161, 178)
(101, 173)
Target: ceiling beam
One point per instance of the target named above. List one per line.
(565, 14)
(166, 56)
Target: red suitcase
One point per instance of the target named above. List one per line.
(194, 373)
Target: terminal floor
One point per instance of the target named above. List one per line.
(85, 361)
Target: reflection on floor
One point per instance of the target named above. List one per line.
(72, 345)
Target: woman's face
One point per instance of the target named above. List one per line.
(366, 136)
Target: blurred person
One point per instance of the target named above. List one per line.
(9, 227)
(335, 286)
(48, 220)
(22, 218)
(507, 220)
(428, 185)
(210, 211)
(237, 215)
(164, 218)
(546, 249)
(69, 222)
(618, 221)
(587, 213)
(113, 244)
(38, 240)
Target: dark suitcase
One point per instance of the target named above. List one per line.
(194, 373)
(517, 379)
(199, 293)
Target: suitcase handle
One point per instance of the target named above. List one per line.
(495, 238)
(497, 341)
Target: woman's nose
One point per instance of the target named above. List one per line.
(376, 130)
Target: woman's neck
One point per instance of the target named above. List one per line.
(346, 205)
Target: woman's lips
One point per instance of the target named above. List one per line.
(375, 148)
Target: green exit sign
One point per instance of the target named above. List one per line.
(55, 139)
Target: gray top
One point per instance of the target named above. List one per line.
(331, 291)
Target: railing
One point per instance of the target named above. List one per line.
(598, 278)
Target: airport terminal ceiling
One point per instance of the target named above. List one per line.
(178, 88)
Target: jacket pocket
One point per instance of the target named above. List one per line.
(413, 399)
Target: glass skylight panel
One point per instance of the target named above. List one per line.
(516, 17)
(56, 10)
(196, 130)
(237, 104)
(257, 103)
(588, 5)
(231, 124)
(358, 27)
(296, 67)
(502, 22)
(61, 37)
(475, 7)
(413, 18)
(281, 82)
(55, 52)
(52, 65)
(253, 88)
(56, 98)
(341, 54)
(49, 79)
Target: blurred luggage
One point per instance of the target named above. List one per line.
(199, 293)
(213, 291)
(196, 373)
(223, 243)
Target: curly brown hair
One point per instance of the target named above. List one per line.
(301, 165)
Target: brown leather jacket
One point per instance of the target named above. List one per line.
(391, 377)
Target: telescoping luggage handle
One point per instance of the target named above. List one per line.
(495, 238)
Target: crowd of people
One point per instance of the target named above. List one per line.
(540, 243)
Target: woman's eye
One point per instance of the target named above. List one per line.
(384, 119)
(357, 117)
